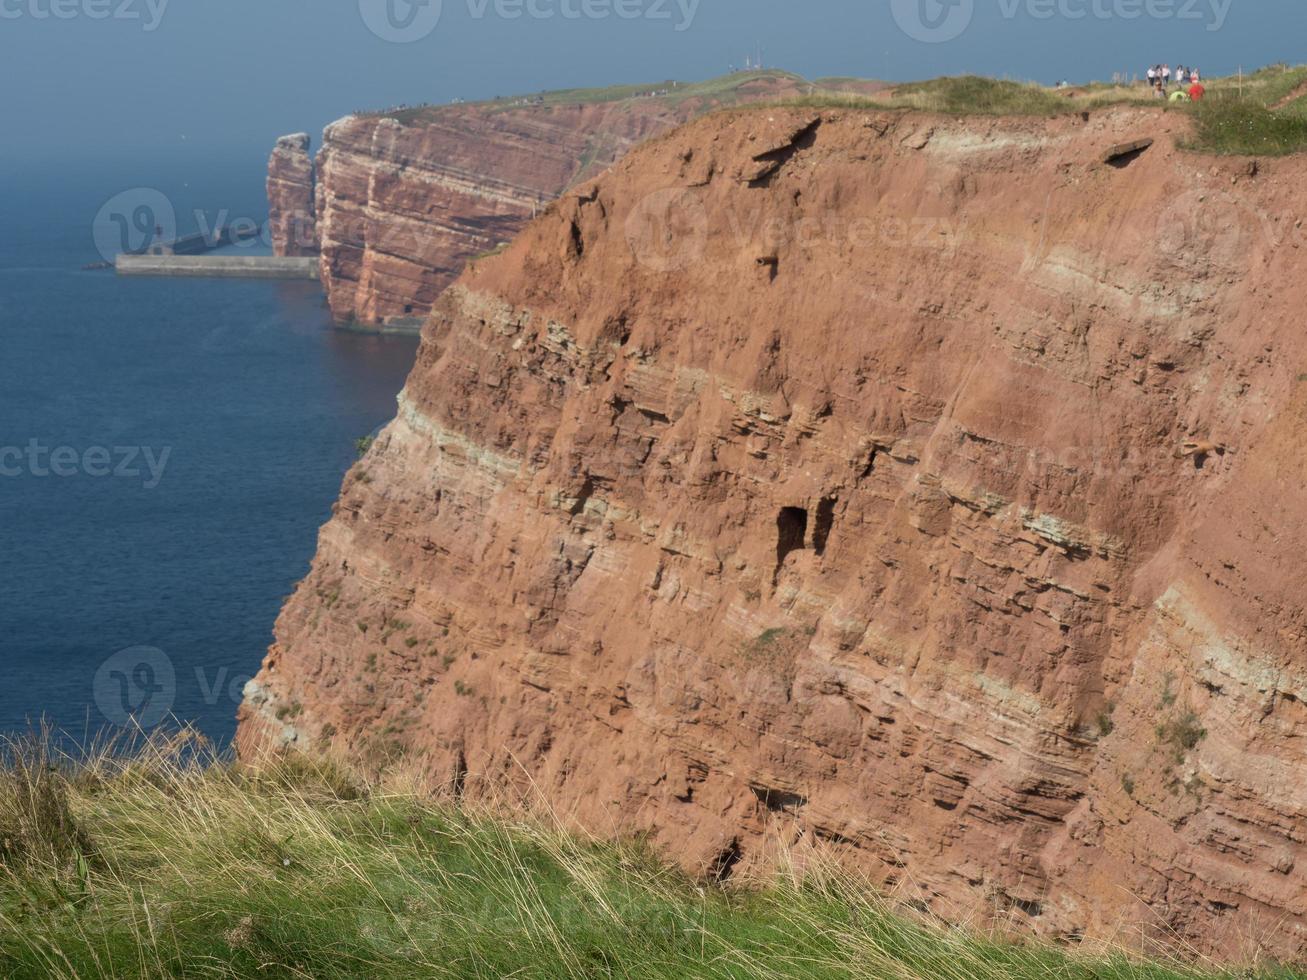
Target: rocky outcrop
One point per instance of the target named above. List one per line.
(923, 490)
(407, 197)
(292, 220)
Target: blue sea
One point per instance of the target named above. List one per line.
(168, 450)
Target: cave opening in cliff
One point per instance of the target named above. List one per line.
(791, 533)
(824, 524)
(778, 800)
(723, 865)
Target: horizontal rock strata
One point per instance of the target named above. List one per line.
(918, 489)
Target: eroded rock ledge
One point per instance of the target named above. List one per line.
(405, 199)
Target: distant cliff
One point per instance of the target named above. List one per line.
(291, 209)
(405, 198)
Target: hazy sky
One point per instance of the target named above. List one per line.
(116, 79)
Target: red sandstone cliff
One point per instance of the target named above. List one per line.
(822, 477)
(406, 198)
(292, 220)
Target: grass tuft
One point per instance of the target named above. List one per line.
(165, 861)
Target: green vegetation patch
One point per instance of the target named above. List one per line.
(1244, 127)
(972, 95)
(725, 90)
(170, 863)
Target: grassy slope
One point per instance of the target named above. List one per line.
(1239, 116)
(724, 91)
(160, 868)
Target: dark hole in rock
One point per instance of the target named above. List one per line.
(583, 498)
(459, 780)
(871, 464)
(1124, 154)
(1028, 906)
(1125, 159)
(724, 864)
(825, 521)
(791, 531)
(779, 800)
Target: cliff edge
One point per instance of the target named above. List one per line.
(405, 197)
(925, 489)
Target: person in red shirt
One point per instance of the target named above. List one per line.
(1197, 91)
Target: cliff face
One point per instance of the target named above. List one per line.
(923, 489)
(406, 198)
(292, 218)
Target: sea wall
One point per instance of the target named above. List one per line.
(217, 266)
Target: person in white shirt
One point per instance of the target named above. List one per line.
(1166, 75)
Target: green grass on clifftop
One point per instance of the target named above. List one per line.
(973, 95)
(1260, 114)
(170, 864)
(1244, 128)
(1263, 114)
(721, 92)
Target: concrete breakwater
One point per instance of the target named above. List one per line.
(201, 242)
(218, 266)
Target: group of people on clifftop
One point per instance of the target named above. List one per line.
(1188, 82)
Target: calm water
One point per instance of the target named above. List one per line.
(225, 413)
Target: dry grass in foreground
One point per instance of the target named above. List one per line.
(167, 862)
